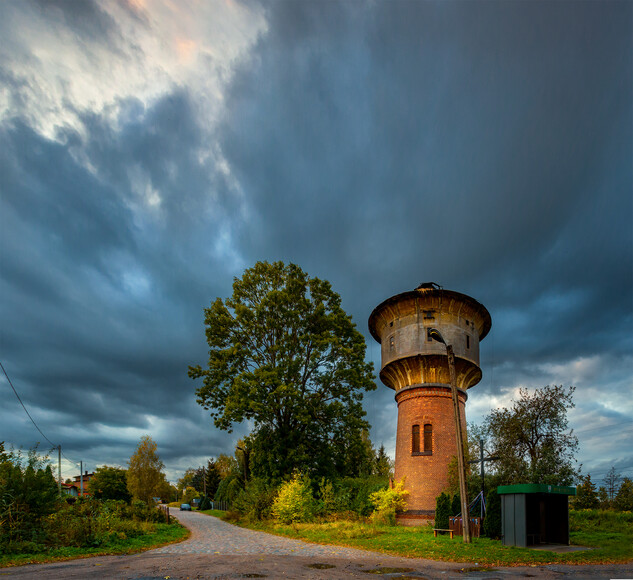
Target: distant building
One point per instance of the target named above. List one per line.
(416, 367)
(70, 489)
(86, 479)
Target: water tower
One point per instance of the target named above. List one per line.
(416, 367)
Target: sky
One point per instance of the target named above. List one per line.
(152, 150)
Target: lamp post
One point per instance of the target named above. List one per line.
(461, 465)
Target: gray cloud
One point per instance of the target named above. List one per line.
(484, 146)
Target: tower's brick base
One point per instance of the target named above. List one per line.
(426, 475)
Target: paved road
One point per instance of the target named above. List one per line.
(221, 551)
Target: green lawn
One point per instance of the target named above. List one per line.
(163, 534)
(609, 534)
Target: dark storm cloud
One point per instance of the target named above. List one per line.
(102, 307)
(483, 145)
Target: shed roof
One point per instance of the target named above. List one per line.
(536, 488)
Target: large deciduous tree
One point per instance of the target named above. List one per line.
(284, 355)
(110, 483)
(532, 438)
(144, 475)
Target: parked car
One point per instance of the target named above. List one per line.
(185, 507)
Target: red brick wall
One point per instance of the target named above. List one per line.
(426, 475)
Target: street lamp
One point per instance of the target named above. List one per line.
(461, 464)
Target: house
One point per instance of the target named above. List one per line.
(86, 480)
(70, 489)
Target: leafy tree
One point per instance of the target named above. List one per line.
(624, 499)
(243, 451)
(187, 479)
(603, 498)
(532, 438)
(28, 494)
(612, 482)
(110, 483)
(166, 491)
(145, 470)
(226, 465)
(283, 353)
(586, 495)
(228, 489)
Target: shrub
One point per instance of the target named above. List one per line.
(442, 511)
(394, 498)
(205, 503)
(456, 505)
(353, 493)
(255, 500)
(28, 494)
(492, 523)
(294, 502)
(327, 498)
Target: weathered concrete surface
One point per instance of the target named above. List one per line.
(218, 550)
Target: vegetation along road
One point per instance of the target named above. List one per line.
(217, 549)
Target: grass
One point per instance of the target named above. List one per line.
(609, 534)
(162, 535)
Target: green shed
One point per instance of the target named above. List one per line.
(533, 513)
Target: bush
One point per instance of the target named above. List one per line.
(442, 511)
(28, 494)
(255, 500)
(205, 504)
(492, 523)
(456, 505)
(326, 504)
(294, 502)
(394, 498)
(353, 493)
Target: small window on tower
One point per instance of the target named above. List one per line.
(392, 343)
(415, 439)
(429, 314)
(428, 439)
(467, 341)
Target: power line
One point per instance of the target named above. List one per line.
(32, 420)
(25, 409)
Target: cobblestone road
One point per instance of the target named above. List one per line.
(213, 536)
(219, 551)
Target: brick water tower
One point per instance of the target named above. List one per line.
(416, 367)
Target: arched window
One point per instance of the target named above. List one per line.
(428, 438)
(415, 439)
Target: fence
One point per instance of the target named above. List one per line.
(455, 524)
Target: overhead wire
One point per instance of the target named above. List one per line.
(33, 420)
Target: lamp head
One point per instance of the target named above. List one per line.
(435, 334)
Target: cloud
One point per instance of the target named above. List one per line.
(148, 154)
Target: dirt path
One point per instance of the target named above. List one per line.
(219, 550)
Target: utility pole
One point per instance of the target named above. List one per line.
(59, 469)
(204, 480)
(81, 478)
(461, 466)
